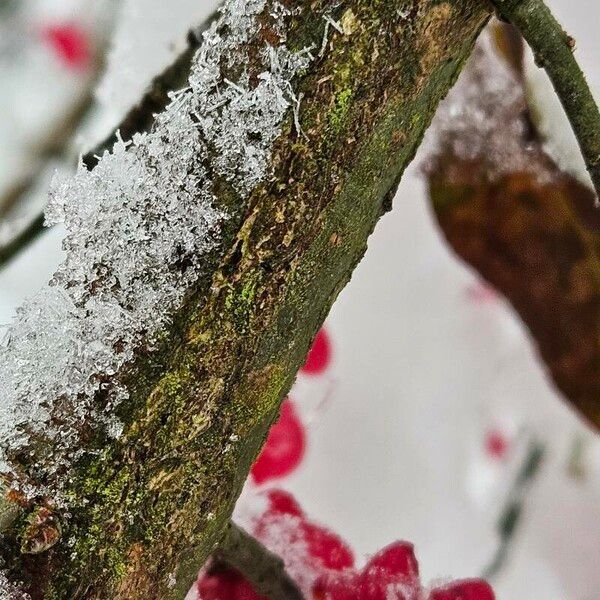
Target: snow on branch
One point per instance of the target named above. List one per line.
(138, 226)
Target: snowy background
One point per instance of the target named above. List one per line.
(424, 394)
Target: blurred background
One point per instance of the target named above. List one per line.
(424, 411)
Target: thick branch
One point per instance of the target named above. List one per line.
(553, 50)
(147, 509)
(263, 569)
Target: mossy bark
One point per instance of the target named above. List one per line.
(148, 509)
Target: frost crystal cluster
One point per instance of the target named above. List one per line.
(10, 591)
(137, 227)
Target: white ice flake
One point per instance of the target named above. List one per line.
(138, 226)
(10, 591)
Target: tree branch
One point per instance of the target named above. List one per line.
(263, 569)
(148, 508)
(512, 512)
(17, 243)
(553, 49)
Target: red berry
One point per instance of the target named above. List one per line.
(70, 43)
(380, 589)
(227, 584)
(496, 444)
(397, 559)
(284, 448)
(344, 585)
(283, 503)
(392, 573)
(315, 554)
(327, 547)
(319, 355)
(468, 589)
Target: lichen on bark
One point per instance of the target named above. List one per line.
(147, 509)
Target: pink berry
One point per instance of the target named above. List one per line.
(468, 589)
(397, 559)
(344, 585)
(392, 573)
(315, 554)
(319, 355)
(284, 449)
(496, 444)
(227, 584)
(70, 43)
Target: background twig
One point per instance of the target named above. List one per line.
(510, 518)
(138, 119)
(263, 569)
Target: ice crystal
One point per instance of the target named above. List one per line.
(10, 591)
(138, 226)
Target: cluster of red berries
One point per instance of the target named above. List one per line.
(323, 565)
(319, 560)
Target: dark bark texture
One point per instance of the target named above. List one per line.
(260, 567)
(148, 509)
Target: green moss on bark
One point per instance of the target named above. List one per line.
(155, 503)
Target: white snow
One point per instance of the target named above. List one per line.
(138, 226)
(9, 591)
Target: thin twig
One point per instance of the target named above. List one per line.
(553, 50)
(56, 144)
(141, 116)
(50, 149)
(510, 518)
(28, 234)
(263, 569)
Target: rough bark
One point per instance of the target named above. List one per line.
(148, 509)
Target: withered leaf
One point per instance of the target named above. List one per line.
(528, 228)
